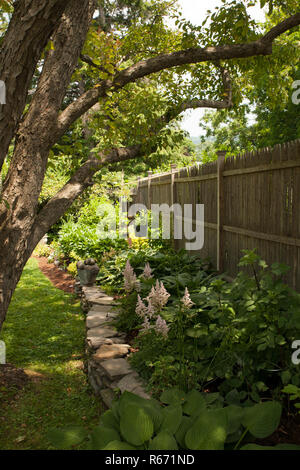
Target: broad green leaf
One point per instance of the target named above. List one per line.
(118, 445)
(108, 419)
(233, 397)
(235, 415)
(173, 396)
(152, 407)
(292, 390)
(163, 441)
(196, 332)
(136, 426)
(185, 425)
(194, 403)
(211, 397)
(155, 411)
(208, 432)
(256, 447)
(262, 419)
(115, 409)
(172, 416)
(66, 437)
(102, 435)
(130, 398)
(277, 447)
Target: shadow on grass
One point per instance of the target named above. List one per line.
(43, 325)
(44, 332)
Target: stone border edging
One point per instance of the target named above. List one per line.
(107, 365)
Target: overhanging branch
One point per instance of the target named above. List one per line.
(262, 46)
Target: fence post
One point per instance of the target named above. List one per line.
(149, 189)
(172, 187)
(220, 211)
(173, 170)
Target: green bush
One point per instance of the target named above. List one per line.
(42, 249)
(236, 338)
(79, 237)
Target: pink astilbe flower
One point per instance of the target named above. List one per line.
(130, 281)
(186, 299)
(141, 310)
(150, 310)
(161, 326)
(146, 325)
(151, 295)
(158, 296)
(147, 274)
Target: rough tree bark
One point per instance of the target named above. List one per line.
(29, 30)
(20, 226)
(33, 142)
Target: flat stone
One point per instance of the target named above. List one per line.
(94, 384)
(113, 386)
(101, 314)
(94, 321)
(102, 331)
(108, 341)
(130, 382)
(102, 308)
(107, 396)
(94, 342)
(95, 368)
(92, 295)
(141, 393)
(94, 298)
(102, 301)
(116, 367)
(92, 290)
(118, 340)
(97, 381)
(112, 351)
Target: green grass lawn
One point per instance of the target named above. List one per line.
(44, 332)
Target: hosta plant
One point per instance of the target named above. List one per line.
(194, 420)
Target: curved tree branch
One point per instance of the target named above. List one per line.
(262, 46)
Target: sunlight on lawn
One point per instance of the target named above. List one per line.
(44, 332)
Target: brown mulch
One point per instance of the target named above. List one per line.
(57, 276)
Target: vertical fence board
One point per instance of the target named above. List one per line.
(260, 203)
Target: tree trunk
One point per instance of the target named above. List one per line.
(30, 28)
(35, 137)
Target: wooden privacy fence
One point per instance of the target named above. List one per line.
(250, 201)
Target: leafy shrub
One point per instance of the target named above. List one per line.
(78, 237)
(81, 240)
(236, 337)
(42, 249)
(72, 269)
(196, 421)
